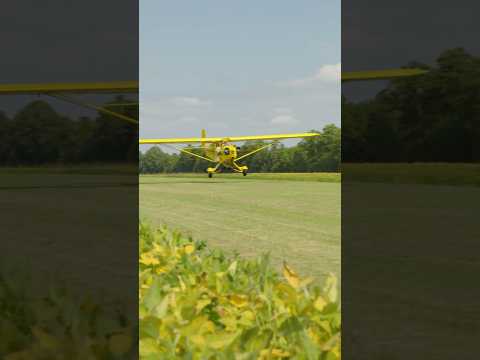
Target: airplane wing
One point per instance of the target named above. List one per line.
(60, 91)
(77, 88)
(271, 137)
(180, 140)
(225, 139)
(380, 74)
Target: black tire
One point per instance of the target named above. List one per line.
(210, 175)
(244, 172)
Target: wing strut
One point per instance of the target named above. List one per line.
(93, 107)
(255, 151)
(122, 105)
(191, 153)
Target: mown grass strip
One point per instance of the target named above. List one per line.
(318, 177)
(87, 169)
(414, 173)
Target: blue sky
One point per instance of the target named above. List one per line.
(238, 68)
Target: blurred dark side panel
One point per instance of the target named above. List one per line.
(68, 182)
(411, 182)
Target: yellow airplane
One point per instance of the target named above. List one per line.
(221, 151)
(216, 150)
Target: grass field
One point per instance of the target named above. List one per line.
(318, 177)
(70, 216)
(454, 174)
(297, 220)
(410, 250)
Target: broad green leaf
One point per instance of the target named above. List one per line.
(232, 268)
(211, 307)
(292, 277)
(149, 327)
(201, 304)
(320, 303)
(148, 346)
(330, 287)
(46, 340)
(239, 300)
(220, 341)
(189, 248)
(120, 344)
(153, 295)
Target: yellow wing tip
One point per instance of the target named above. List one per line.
(128, 86)
(381, 74)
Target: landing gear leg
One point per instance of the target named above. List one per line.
(210, 170)
(239, 168)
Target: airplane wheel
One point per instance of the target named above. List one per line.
(210, 175)
(244, 173)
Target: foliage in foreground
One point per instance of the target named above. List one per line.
(196, 303)
(55, 324)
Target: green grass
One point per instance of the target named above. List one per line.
(413, 250)
(320, 177)
(296, 221)
(73, 221)
(82, 169)
(414, 173)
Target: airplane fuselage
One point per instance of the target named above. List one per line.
(224, 154)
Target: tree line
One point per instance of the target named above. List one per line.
(38, 135)
(315, 154)
(430, 118)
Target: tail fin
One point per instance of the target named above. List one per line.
(209, 149)
(204, 135)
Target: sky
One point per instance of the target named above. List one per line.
(238, 68)
(64, 41)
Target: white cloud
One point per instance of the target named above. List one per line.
(329, 73)
(189, 101)
(151, 108)
(283, 116)
(284, 120)
(177, 110)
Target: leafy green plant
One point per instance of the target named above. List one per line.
(196, 303)
(56, 324)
